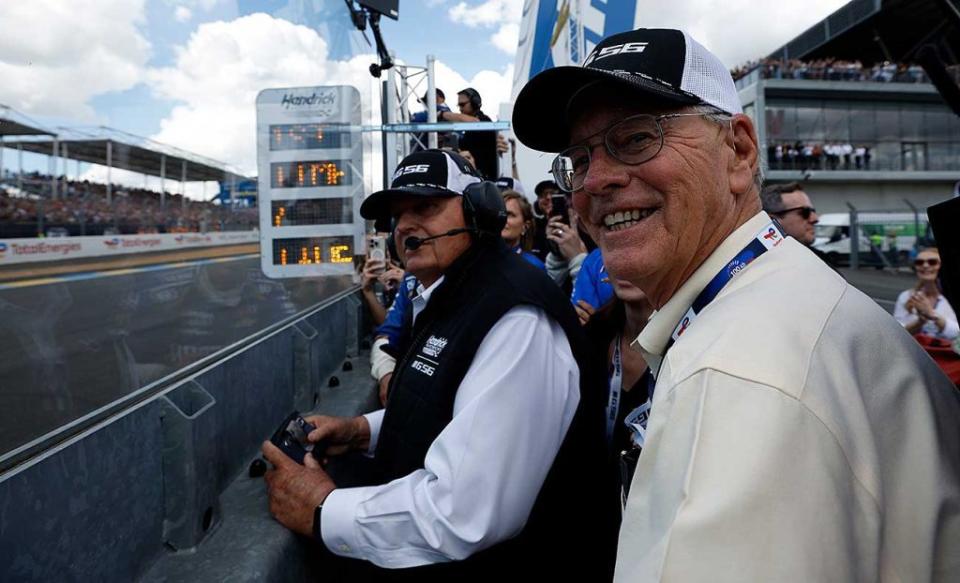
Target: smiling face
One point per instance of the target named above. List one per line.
(422, 216)
(927, 265)
(658, 221)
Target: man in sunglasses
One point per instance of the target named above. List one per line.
(792, 207)
(794, 431)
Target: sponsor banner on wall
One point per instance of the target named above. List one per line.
(14, 251)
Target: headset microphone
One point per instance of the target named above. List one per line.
(412, 243)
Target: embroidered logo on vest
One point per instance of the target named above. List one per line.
(434, 346)
(431, 349)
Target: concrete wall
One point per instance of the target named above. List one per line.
(831, 197)
(147, 487)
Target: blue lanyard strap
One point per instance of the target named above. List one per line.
(769, 237)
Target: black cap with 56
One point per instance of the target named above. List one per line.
(663, 65)
(425, 173)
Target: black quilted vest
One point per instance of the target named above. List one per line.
(570, 527)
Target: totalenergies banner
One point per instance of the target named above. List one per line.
(65, 248)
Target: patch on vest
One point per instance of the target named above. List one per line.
(431, 349)
(434, 346)
(427, 369)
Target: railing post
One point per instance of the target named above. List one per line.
(854, 238)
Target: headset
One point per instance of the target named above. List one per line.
(483, 207)
(474, 96)
(484, 211)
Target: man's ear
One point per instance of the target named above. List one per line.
(745, 161)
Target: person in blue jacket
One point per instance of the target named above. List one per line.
(519, 231)
(593, 288)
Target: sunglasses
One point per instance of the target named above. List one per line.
(805, 211)
(932, 262)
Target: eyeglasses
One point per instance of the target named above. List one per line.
(932, 262)
(633, 141)
(805, 211)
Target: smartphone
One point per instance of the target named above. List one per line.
(377, 249)
(291, 438)
(559, 208)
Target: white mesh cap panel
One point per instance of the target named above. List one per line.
(457, 181)
(706, 77)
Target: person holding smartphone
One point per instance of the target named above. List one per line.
(567, 249)
(377, 268)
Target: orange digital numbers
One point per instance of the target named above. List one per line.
(340, 254)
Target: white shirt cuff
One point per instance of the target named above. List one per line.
(338, 520)
(375, 419)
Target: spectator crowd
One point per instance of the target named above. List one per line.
(82, 208)
(834, 70)
(801, 155)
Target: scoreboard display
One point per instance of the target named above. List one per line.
(310, 166)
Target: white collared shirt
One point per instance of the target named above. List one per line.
(518, 396)
(798, 433)
(423, 296)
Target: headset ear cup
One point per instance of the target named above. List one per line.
(483, 208)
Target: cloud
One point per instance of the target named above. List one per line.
(505, 15)
(224, 65)
(182, 14)
(493, 86)
(204, 5)
(737, 31)
(219, 71)
(55, 56)
(507, 38)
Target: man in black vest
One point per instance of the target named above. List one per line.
(489, 453)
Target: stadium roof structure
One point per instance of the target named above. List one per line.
(13, 123)
(118, 149)
(876, 30)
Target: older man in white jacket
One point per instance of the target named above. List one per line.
(797, 433)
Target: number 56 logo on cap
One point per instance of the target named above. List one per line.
(615, 50)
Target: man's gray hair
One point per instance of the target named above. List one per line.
(723, 118)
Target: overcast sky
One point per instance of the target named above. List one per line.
(186, 72)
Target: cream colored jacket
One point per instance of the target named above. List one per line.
(798, 433)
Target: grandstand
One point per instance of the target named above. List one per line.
(35, 204)
(846, 107)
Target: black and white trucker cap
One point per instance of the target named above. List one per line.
(665, 65)
(424, 173)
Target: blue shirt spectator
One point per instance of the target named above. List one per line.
(593, 283)
(530, 258)
(397, 315)
(421, 116)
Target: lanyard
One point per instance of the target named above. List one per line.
(636, 420)
(616, 384)
(769, 237)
